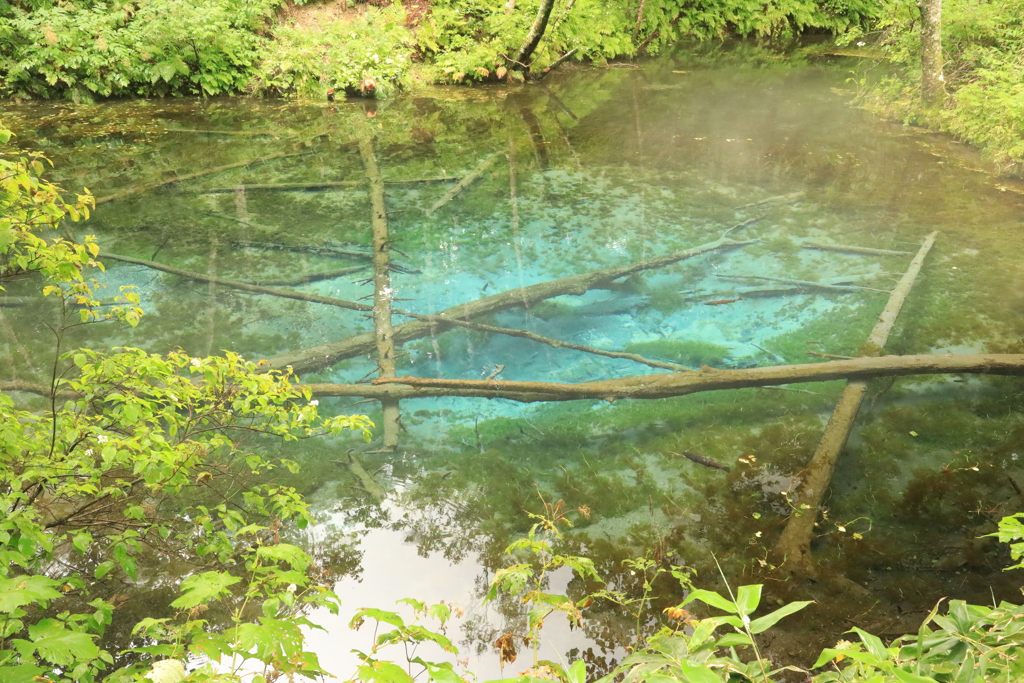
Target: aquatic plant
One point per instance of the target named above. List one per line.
(685, 351)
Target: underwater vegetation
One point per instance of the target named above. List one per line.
(684, 351)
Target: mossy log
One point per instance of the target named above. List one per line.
(325, 355)
(793, 549)
(667, 385)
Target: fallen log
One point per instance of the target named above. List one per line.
(323, 250)
(368, 483)
(808, 284)
(853, 250)
(236, 284)
(311, 277)
(197, 174)
(382, 293)
(667, 385)
(265, 288)
(793, 549)
(325, 355)
(777, 199)
(468, 180)
(312, 186)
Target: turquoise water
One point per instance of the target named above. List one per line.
(610, 166)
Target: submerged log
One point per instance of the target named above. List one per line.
(793, 549)
(382, 293)
(845, 248)
(468, 180)
(197, 174)
(236, 284)
(808, 284)
(666, 385)
(323, 250)
(325, 355)
(317, 185)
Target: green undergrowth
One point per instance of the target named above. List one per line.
(96, 50)
(982, 45)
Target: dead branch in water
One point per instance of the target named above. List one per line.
(809, 284)
(320, 185)
(845, 248)
(196, 174)
(325, 355)
(793, 548)
(468, 180)
(666, 385)
(382, 328)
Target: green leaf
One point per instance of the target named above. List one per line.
(26, 590)
(199, 589)
(577, 673)
(748, 598)
(711, 598)
(733, 640)
(55, 643)
(762, 624)
(907, 677)
(873, 644)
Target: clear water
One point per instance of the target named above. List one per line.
(611, 166)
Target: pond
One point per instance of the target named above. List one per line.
(593, 168)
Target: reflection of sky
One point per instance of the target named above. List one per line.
(393, 569)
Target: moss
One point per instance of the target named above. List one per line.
(685, 351)
(666, 300)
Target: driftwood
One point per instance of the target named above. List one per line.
(853, 250)
(468, 180)
(196, 174)
(320, 185)
(382, 293)
(666, 385)
(325, 355)
(793, 548)
(808, 284)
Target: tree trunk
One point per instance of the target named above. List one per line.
(933, 84)
(519, 62)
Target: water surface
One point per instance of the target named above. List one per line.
(598, 167)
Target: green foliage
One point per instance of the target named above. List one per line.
(137, 457)
(156, 47)
(686, 351)
(983, 43)
(338, 55)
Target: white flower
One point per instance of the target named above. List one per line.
(861, 43)
(292, 588)
(1013, 456)
(102, 438)
(195, 362)
(88, 451)
(314, 402)
(746, 621)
